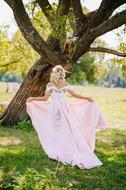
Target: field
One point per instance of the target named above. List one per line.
(25, 166)
(111, 100)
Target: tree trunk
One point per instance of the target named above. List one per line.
(33, 85)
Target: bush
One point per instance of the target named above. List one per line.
(25, 125)
(7, 179)
(30, 180)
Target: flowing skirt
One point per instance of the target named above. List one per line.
(66, 130)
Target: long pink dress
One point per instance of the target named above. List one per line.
(66, 129)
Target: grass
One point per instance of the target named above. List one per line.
(111, 146)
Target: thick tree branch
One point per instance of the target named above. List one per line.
(47, 10)
(97, 17)
(80, 18)
(111, 24)
(59, 27)
(107, 50)
(57, 21)
(90, 35)
(58, 35)
(10, 3)
(63, 7)
(27, 29)
(104, 11)
(31, 34)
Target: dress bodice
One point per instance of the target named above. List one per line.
(58, 94)
(54, 89)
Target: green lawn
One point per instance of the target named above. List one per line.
(25, 166)
(110, 148)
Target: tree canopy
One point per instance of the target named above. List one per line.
(88, 26)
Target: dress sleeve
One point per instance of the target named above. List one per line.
(47, 89)
(70, 87)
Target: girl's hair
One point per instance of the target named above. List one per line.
(58, 74)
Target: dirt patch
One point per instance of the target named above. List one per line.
(4, 141)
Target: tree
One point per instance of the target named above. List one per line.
(84, 69)
(117, 65)
(87, 27)
(5, 51)
(122, 47)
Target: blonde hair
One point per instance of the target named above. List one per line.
(58, 74)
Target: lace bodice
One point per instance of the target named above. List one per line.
(54, 89)
(58, 94)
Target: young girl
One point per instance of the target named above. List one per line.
(66, 129)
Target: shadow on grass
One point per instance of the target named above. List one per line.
(110, 176)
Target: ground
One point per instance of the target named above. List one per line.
(20, 150)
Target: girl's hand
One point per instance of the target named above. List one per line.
(90, 99)
(30, 99)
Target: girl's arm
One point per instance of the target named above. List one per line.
(41, 98)
(72, 93)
